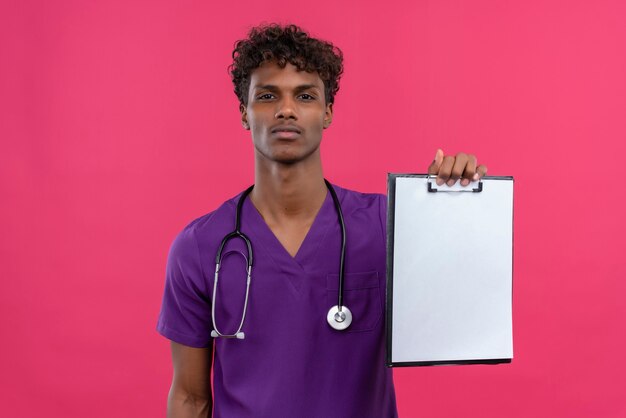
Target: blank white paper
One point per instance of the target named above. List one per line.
(452, 272)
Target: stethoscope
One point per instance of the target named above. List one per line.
(339, 316)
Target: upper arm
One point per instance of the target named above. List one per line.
(192, 371)
(185, 315)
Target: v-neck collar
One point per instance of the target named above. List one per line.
(266, 241)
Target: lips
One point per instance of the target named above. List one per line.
(285, 128)
(286, 132)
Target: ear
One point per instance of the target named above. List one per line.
(244, 117)
(328, 115)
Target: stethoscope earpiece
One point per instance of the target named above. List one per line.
(239, 335)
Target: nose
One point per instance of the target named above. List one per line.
(286, 109)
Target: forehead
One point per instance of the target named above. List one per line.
(289, 77)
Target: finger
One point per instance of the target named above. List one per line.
(457, 169)
(445, 170)
(434, 166)
(470, 170)
(480, 172)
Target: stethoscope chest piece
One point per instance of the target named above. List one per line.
(337, 319)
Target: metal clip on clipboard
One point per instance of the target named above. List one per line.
(473, 187)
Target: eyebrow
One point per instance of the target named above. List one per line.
(272, 87)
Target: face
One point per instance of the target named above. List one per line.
(286, 113)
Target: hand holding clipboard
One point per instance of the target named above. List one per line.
(449, 169)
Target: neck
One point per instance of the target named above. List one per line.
(292, 191)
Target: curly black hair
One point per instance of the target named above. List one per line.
(284, 44)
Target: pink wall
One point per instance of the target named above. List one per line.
(118, 126)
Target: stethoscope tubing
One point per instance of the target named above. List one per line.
(342, 256)
(335, 312)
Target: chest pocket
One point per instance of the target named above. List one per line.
(362, 295)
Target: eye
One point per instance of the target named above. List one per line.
(307, 96)
(265, 96)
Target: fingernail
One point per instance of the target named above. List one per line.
(439, 181)
(450, 182)
(465, 182)
(476, 177)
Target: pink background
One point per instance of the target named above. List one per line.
(119, 126)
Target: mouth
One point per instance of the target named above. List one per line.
(286, 131)
(285, 128)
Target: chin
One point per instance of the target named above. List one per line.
(287, 156)
(287, 159)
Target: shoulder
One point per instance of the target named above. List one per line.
(203, 234)
(199, 237)
(355, 201)
(213, 222)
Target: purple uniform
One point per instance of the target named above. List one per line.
(291, 362)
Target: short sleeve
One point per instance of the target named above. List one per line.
(185, 315)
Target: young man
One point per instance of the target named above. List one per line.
(291, 361)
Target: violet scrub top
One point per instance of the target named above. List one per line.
(291, 362)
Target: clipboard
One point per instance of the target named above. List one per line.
(449, 271)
